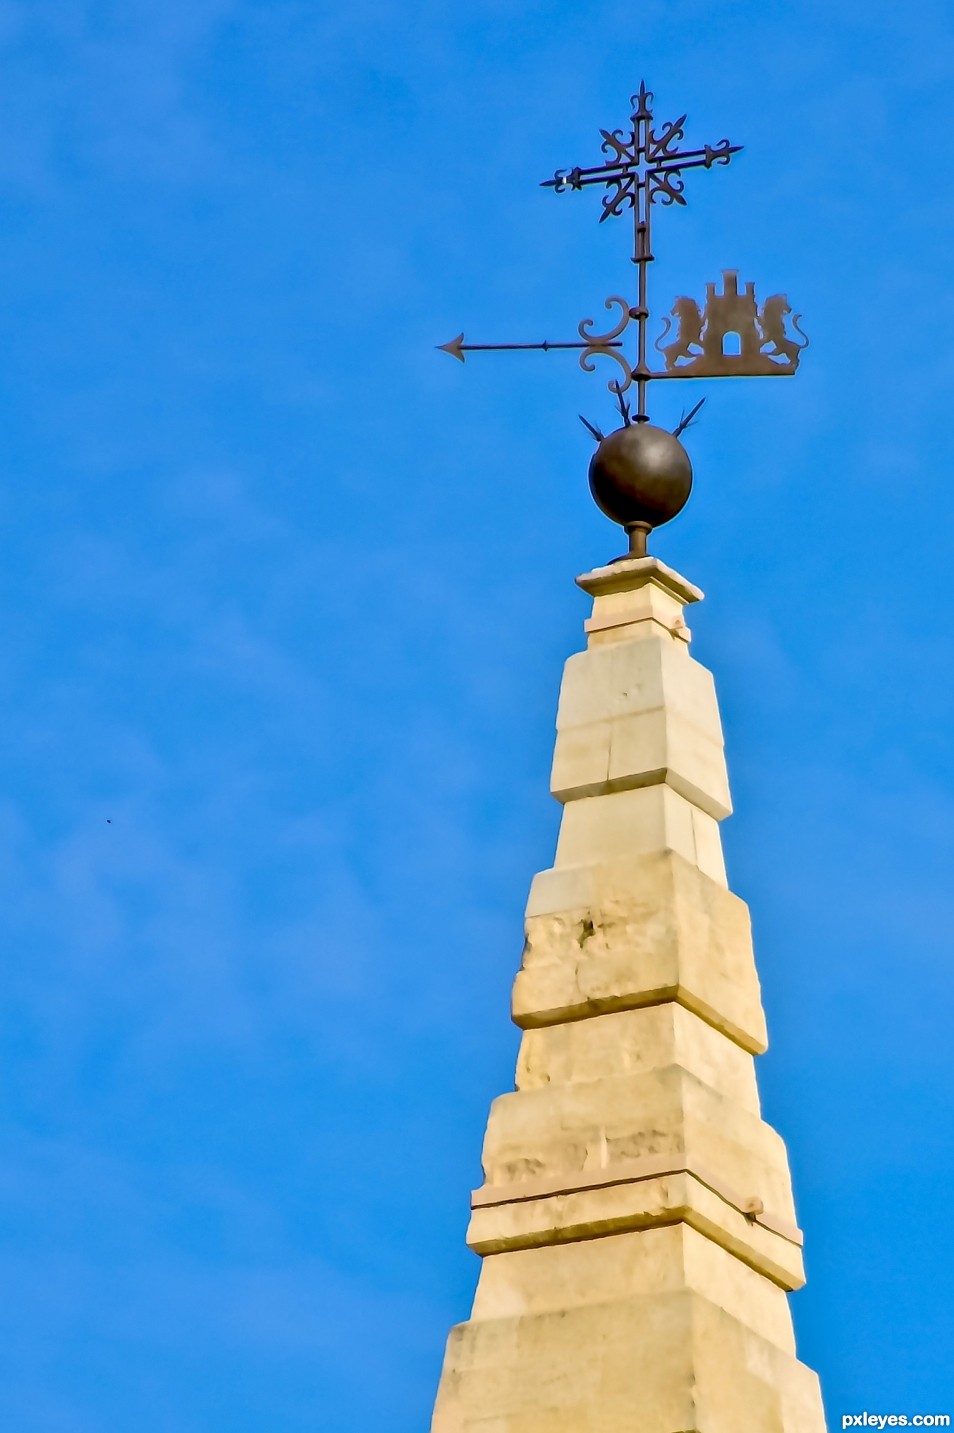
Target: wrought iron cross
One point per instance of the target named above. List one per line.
(730, 336)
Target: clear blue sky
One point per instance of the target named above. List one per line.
(286, 596)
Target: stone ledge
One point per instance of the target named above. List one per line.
(631, 1172)
(563, 1011)
(635, 572)
(680, 1196)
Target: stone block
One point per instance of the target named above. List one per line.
(642, 750)
(638, 932)
(661, 1363)
(581, 761)
(629, 678)
(635, 599)
(661, 1260)
(628, 613)
(597, 829)
(563, 1134)
(635, 1042)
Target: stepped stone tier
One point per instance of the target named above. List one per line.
(636, 1223)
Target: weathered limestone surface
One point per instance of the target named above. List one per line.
(623, 933)
(636, 1223)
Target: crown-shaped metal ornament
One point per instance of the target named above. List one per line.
(640, 475)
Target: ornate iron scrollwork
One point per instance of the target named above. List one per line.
(601, 345)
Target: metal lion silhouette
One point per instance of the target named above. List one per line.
(729, 336)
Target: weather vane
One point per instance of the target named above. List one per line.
(641, 475)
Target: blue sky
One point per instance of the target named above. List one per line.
(285, 601)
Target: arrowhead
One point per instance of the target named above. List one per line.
(455, 348)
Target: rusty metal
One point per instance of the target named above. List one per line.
(645, 166)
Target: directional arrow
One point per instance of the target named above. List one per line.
(457, 347)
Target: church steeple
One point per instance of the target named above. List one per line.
(636, 1223)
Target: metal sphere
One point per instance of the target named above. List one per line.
(640, 474)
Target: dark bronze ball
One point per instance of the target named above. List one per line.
(640, 474)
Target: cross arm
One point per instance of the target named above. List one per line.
(579, 178)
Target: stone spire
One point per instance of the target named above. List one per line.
(635, 1223)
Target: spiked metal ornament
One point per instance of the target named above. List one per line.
(731, 335)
